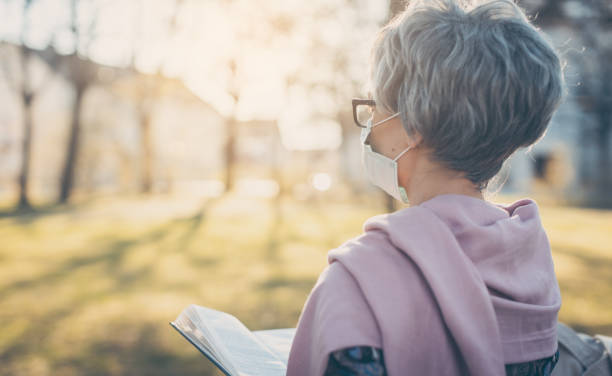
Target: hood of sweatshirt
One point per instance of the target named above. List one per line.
(506, 243)
(509, 249)
(454, 285)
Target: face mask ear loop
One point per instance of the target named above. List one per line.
(402, 153)
(385, 119)
(365, 133)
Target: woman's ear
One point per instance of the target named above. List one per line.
(414, 140)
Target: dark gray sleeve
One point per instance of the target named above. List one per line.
(356, 361)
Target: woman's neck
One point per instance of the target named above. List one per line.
(431, 180)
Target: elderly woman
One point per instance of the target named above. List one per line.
(453, 284)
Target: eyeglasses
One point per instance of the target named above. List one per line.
(362, 111)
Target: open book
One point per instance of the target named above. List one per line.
(232, 347)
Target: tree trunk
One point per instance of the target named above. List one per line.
(603, 99)
(230, 154)
(24, 202)
(347, 128)
(68, 172)
(147, 153)
(604, 183)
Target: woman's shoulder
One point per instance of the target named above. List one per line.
(374, 259)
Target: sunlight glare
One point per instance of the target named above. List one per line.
(249, 187)
(321, 181)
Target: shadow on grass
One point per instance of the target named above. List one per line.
(141, 352)
(599, 267)
(283, 222)
(145, 351)
(137, 348)
(113, 253)
(304, 284)
(28, 215)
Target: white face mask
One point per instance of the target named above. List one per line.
(381, 170)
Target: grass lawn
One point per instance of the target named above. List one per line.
(89, 289)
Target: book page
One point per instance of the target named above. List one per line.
(195, 331)
(277, 340)
(248, 356)
(195, 341)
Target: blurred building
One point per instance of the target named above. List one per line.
(573, 162)
(187, 134)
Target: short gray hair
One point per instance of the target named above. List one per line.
(476, 79)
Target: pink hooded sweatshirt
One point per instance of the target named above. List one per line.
(453, 286)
